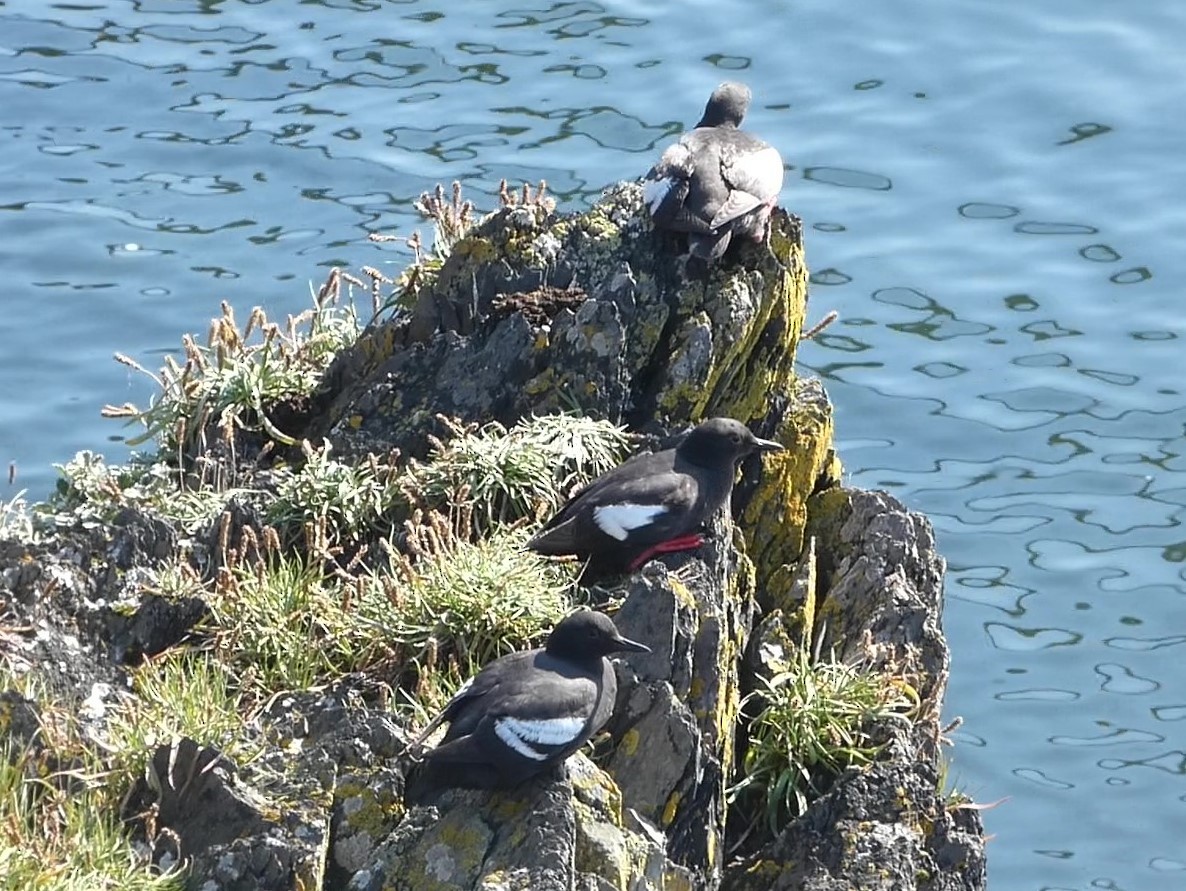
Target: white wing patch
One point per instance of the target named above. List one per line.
(520, 734)
(619, 520)
(654, 191)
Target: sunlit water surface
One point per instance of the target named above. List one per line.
(993, 196)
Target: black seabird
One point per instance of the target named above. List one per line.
(652, 504)
(525, 712)
(717, 181)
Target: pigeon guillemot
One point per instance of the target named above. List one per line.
(652, 504)
(525, 712)
(717, 181)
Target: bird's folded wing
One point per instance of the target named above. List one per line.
(645, 509)
(685, 220)
(538, 728)
(758, 173)
(472, 690)
(738, 204)
(665, 199)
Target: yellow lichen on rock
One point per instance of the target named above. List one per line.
(670, 809)
(756, 317)
(776, 517)
(629, 743)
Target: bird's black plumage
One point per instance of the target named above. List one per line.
(717, 181)
(526, 712)
(652, 503)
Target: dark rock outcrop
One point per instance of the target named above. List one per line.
(537, 313)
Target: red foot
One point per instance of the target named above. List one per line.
(688, 542)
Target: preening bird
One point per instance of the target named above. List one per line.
(717, 181)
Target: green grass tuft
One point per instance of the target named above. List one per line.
(54, 839)
(816, 720)
(237, 379)
(504, 475)
(810, 720)
(480, 600)
(347, 502)
(181, 693)
(59, 806)
(283, 624)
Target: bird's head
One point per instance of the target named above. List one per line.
(723, 440)
(726, 106)
(587, 633)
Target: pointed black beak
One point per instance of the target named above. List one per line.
(767, 445)
(625, 645)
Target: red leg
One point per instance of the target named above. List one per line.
(688, 542)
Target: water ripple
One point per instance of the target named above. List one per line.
(1018, 639)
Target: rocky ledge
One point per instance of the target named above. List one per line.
(532, 313)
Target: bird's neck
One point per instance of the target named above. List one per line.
(582, 660)
(707, 460)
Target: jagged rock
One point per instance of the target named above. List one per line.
(21, 572)
(233, 837)
(368, 805)
(158, 623)
(679, 705)
(524, 838)
(139, 539)
(198, 798)
(337, 720)
(535, 313)
(881, 589)
(646, 341)
(52, 597)
(883, 579)
(881, 829)
(560, 831)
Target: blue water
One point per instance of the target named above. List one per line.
(994, 198)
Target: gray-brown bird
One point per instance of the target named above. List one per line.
(717, 181)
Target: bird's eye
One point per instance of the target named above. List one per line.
(736, 437)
